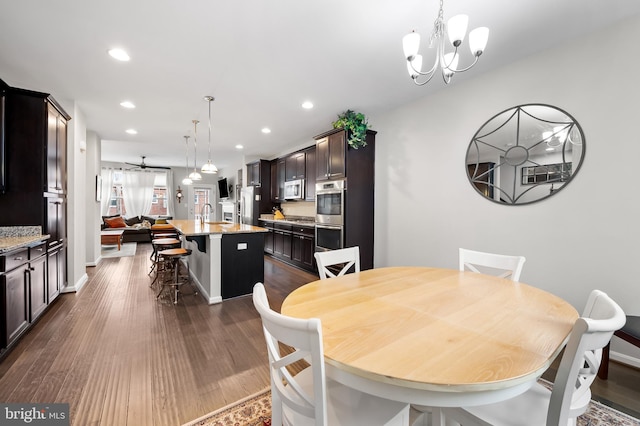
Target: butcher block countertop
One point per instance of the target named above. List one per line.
(193, 228)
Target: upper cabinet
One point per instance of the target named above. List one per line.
(35, 143)
(330, 156)
(300, 165)
(295, 166)
(258, 172)
(310, 173)
(56, 150)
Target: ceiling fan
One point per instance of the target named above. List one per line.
(142, 165)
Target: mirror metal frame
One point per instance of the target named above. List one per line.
(518, 155)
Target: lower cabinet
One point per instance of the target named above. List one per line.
(24, 291)
(57, 271)
(37, 274)
(303, 247)
(15, 298)
(293, 244)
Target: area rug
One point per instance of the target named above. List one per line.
(126, 250)
(255, 410)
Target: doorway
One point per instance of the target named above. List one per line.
(199, 195)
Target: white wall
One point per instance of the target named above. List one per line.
(76, 188)
(93, 219)
(582, 238)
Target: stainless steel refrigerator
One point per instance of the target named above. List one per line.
(249, 206)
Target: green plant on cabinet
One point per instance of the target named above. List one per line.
(356, 125)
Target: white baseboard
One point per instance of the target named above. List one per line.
(77, 286)
(625, 359)
(205, 295)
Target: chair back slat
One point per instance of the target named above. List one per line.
(503, 266)
(350, 257)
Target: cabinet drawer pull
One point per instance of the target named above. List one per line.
(18, 258)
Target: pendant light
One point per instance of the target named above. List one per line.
(187, 180)
(195, 175)
(209, 168)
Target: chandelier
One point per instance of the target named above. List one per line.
(456, 29)
(195, 175)
(209, 167)
(187, 180)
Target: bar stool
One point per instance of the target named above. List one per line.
(171, 258)
(163, 228)
(158, 245)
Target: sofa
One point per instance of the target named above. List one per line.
(136, 229)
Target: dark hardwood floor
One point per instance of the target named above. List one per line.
(118, 356)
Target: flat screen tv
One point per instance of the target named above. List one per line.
(223, 188)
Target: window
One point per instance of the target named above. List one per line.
(159, 203)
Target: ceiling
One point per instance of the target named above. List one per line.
(260, 59)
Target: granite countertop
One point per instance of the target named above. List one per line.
(193, 228)
(302, 221)
(15, 237)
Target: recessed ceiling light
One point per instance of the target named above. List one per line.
(266, 130)
(132, 131)
(307, 105)
(127, 104)
(239, 146)
(119, 54)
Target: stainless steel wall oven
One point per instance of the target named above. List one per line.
(330, 215)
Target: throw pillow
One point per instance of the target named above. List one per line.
(145, 224)
(116, 222)
(161, 221)
(132, 221)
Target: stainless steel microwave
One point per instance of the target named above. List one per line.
(294, 190)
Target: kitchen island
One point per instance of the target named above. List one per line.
(226, 259)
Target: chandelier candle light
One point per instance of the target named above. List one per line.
(209, 167)
(195, 175)
(456, 29)
(187, 180)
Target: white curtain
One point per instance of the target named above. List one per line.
(170, 194)
(107, 187)
(137, 191)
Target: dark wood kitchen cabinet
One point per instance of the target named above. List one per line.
(14, 296)
(35, 151)
(330, 156)
(268, 236)
(56, 151)
(310, 173)
(295, 166)
(337, 160)
(293, 244)
(278, 169)
(282, 241)
(258, 173)
(303, 246)
(23, 291)
(38, 288)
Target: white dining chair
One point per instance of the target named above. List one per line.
(348, 256)
(571, 392)
(504, 266)
(309, 397)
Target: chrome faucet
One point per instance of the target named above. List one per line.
(202, 210)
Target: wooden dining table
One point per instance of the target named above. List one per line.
(434, 337)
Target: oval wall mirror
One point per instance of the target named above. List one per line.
(525, 154)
